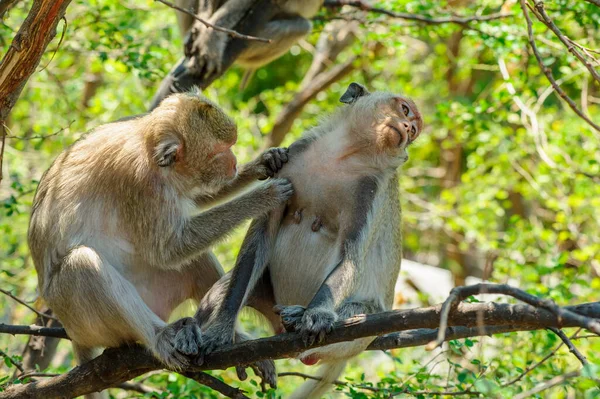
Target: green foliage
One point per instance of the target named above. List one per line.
(523, 199)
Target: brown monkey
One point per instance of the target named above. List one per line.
(206, 46)
(334, 250)
(116, 235)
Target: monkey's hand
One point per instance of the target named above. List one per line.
(177, 342)
(270, 162)
(204, 47)
(311, 323)
(272, 194)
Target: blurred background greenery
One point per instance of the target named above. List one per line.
(504, 183)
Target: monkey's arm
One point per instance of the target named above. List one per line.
(264, 166)
(204, 230)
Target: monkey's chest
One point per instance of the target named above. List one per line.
(308, 243)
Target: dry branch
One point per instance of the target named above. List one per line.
(541, 14)
(28, 306)
(458, 294)
(458, 20)
(230, 32)
(547, 71)
(24, 55)
(115, 366)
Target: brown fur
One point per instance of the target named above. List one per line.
(116, 235)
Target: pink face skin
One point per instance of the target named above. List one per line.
(223, 155)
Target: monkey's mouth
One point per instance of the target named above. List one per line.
(404, 137)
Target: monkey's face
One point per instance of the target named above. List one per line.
(394, 122)
(202, 158)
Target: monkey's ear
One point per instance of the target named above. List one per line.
(166, 152)
(353, 92)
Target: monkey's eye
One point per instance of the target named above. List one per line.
(405, 109)
(413, 131)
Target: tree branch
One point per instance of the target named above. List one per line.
(115, 366)
(458, 294)
(24, 55)
(22, 302)
(548, 73)
(459, 20)
(230, 32)
(543, 17)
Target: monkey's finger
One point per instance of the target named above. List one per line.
(278, 161)
(321, 336)
(241, 372)
(199, 360)
(284, 154)
(272, 162)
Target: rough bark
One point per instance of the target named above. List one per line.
(115, 366)
(26, 50)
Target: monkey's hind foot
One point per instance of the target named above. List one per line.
(214, 337)
(264, 369)
(291, 316)
(312, 323)
(178, 342)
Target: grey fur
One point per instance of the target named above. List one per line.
(349, 264)
(206, 46)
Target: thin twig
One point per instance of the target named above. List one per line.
(457, 294)
(459, 20)
(216, 384)
(533, 366)
(546, 20)
(42, 136)
(22, 302)
(548, 73)
(570, 345)
(136, 387)
(17, 364)
(548, 384)
(230, 32)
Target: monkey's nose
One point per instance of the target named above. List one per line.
(406, 126)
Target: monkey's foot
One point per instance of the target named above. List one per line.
(291, 316)
(317, 322)
(176, 342)
(214, 337)
(264, 369)
(271, 161)
(312, 323)
(205, 49)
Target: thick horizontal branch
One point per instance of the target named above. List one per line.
(115, 366)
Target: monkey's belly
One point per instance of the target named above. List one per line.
(301, 261)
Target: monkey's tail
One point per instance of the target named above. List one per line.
(314, 389)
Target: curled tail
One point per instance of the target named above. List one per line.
(314, 389)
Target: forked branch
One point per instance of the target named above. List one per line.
(409, 327)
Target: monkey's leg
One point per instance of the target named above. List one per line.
(209, 301)
(99, 307)
(250, 265)
(283, 32)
